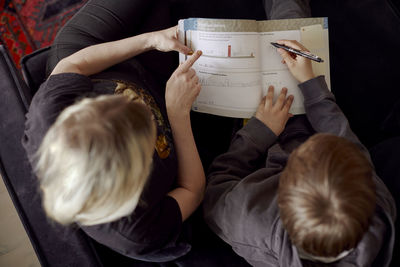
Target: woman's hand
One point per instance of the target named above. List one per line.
(167, 40)
(96, 58)
(182, 89)
(275, 115)
(299, 66)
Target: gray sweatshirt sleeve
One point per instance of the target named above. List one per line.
(323, 112)
(326, 116)
(248, 147)
(225, 194)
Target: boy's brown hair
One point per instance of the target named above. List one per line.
(326, 195)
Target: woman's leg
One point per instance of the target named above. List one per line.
(287, 9)
(101, 21)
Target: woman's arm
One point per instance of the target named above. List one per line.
(182, 89)
(96, 58)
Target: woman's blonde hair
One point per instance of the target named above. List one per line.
(95, 159)
(326, 195)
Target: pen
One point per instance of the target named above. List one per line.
(298, 52)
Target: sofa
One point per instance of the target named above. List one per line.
(364, 74)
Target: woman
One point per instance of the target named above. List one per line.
(95, 159)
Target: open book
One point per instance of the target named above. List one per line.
(239, 63)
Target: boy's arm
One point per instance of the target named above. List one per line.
(226, 198)
(321, 109)
(250, 144)
(247, 147)
(247, 150)
(96, 58)
(323, 112)
(325, 115)
(234, 177)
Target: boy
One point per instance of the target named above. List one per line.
(321, 204)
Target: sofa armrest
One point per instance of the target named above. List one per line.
(33, 67)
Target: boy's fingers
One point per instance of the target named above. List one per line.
(270, 96)
(288, 104)
(189, 62)
(286, 56)
(280, 102)
(262, 103)
(292, 44)
(302, 47)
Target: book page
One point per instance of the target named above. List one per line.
(311, 34)
(274, 73)
(316, 39)
(229, 69)
(239, 63)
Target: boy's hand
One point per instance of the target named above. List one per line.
(299, 66)
(167, 40)
(182, 88)
(275, 115)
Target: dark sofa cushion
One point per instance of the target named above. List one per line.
(363, 39)
(385, 157)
